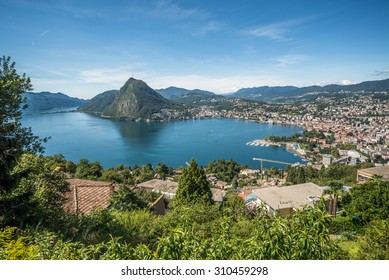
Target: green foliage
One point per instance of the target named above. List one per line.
(294, 138)
(88, 170)
(234, 207)
(14, 139)
(342, 224)
(14, 248)
(142, 227)
(39, 196)
(124, 199)
(369, 201)
(225, 170)
(193, 186)
(346, 174)
(163, 171)
(375, 243)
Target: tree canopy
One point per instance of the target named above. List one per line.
(14, 139)
(193, 186)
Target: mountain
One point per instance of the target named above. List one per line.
(174, 92)
(260, 93)
(100, 102)
(47, 101)
(134, 100)
(193, 98)
(292, 94)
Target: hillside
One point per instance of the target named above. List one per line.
(100, 102)
(294, 94)
(46, 101)
(175, 92)
(135, 100)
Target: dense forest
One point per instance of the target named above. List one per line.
(34, 224)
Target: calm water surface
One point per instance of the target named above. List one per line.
(79, 135)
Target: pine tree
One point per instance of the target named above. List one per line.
(193, 186)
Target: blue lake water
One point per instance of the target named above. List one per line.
(79, 135)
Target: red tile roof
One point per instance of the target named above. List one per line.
(84, 195)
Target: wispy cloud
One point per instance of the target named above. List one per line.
(110, 76)
(172, 11)
(195, 21)
(44, 33)
(273, 32)
(291, 59)
(382, 73)
(278, 31)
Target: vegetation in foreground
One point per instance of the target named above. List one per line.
(33, 224)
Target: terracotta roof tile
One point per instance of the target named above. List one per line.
(84, 195)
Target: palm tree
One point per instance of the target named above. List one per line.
(335, 189)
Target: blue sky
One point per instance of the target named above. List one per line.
(82, 48)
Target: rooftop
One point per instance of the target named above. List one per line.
(84, 195)
(296, 196)
(379, 170)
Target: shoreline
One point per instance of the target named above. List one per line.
(290, 147)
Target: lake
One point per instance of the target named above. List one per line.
(79, 135)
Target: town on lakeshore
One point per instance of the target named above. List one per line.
(194, 139)
(333, 205)
(340, 128)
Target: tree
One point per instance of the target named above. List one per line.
(193, 186)
(335, 189)
(14, 139)
(45, 189)
(88, 170)
(124, 199)
(369, 201)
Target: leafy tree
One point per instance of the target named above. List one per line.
(375, 243)
(47, 190)
(14, 139)
(225, 170)
(124, 199)
(369, 201)
(88, 170)
(163, 170)
(335, 189)
(193, 186)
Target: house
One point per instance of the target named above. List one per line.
(327, 160)
(366, 174)
(85, 195)
(167, 188)
(286, 200)
(218, 195)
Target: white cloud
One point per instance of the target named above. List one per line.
(169, 10)
(273, 32)
(291, 59)
(345, 82)
(44, 33)
(278, 31)
(110, 76)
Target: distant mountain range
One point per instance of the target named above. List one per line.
(134, 100)
(47, 101)
(174, 92)
(291, 93)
